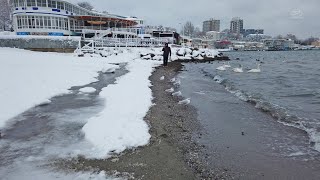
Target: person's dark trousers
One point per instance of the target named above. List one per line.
(165, 60)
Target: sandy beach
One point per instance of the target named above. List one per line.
(171, 153)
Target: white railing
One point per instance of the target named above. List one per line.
(127, 42)
(89, 45)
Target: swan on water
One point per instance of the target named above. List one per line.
(227, 65)
(238, 69)
(255, 70)
(221, 68)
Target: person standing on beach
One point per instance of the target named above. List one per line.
(166, 52)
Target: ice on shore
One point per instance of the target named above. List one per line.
(31, 78)
(87, 90)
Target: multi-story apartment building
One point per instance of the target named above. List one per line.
(211, 25)
(236, 26)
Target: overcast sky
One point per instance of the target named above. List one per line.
(300, 17)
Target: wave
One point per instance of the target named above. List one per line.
(281, 114)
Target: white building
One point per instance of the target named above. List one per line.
(59, 18)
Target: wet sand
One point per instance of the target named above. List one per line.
(171, 153)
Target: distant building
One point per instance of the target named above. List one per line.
(253, 31)
(211, 25)
(256, 37)
(236, 26)
(316, 44)
(278, 44)
(213, 35)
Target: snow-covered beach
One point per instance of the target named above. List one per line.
(30, 79)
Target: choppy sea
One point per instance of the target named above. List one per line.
(287, 88)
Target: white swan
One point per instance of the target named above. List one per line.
(255, 70)
(238, 69)
(227, 65)
(221, 68)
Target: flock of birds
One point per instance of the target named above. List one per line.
(176, 82)
(239, 69)
(224, 67)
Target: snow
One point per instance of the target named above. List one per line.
(87, 90)
(31, 78)
(121, 125)
(162, 78)
(29, 37)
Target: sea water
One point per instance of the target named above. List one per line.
(288, 86)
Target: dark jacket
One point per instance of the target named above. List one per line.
(166, 51)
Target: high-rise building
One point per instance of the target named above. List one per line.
(236, 26)
(211, 25)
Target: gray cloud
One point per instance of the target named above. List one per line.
(299, 17)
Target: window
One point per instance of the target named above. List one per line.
(21, 3)
(52, 4)
(41, 3)
(24, 22)
(31, 22)
(16, 3)
(60, 5)
(41, 22)
(67, 7)
(31, 3)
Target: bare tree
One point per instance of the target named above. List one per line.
(86, 5)
(4, 14)
(188, 29)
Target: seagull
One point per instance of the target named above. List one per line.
(258, 70)
(171, 90)
(185, 102)
(238, 69)
(177, 93)
(162, 78)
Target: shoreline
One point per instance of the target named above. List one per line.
(171, 153)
